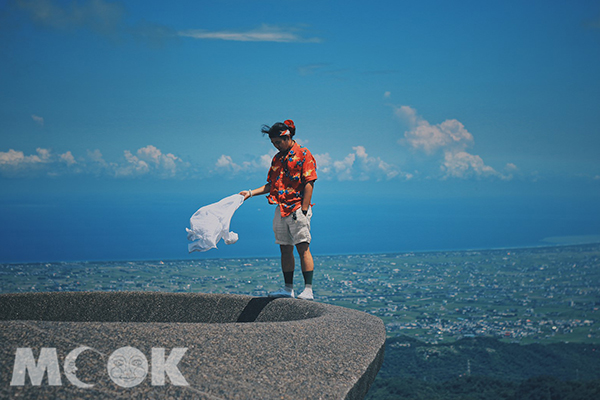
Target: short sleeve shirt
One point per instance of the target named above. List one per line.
(288, 174)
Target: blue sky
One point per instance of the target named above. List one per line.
(119, 119)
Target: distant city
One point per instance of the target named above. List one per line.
(540, 295)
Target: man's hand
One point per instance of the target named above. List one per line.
(246, 194)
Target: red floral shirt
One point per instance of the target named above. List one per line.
(288, 174)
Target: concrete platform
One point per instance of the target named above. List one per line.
(230, 347)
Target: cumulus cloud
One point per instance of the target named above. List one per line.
(147, 160)
(18, 158)
(134, 166)
(343, 168)
(357, 165)
(464, 165)
(16, 163)
(168, 163)
(150, 159)
(226, 165)
(67, 158)
(96, 157)
(451, 139)
(425, 136)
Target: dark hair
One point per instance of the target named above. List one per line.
(278, 127)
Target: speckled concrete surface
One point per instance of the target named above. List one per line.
(238, 347)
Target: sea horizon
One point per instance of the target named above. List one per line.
(568, 241)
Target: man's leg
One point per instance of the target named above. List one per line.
(308, 266)
(287, 267)
(306, 260)
(287, 258)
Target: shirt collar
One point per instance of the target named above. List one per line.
(282, 154)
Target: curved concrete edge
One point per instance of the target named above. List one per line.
(330, 353)
(361, 387)
(150, 307)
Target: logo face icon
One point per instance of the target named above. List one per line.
(127, 367)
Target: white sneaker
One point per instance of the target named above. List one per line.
(307, 294)
(283, 292)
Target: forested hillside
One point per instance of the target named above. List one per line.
(486, 368)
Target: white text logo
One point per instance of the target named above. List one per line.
(127, 367)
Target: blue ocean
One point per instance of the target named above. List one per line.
(153, 227)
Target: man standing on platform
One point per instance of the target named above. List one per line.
(290, 184)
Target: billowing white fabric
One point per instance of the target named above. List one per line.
(211, 223)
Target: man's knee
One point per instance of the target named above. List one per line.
(303, 247)
(286, 250)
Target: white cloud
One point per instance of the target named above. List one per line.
(464, 165)
(147, 160)
(387, 95)
(166, 163)
(134, 166)
(151, 154)
(108, 19)
(422, 135)
(265, 33)
(44, 154)
(344, 168)
(68, 158)
(96, 157)
(324, 162)
(39, 120)
(511, 167)
(357, 165)
(15, 163)
(151, 161)
(451, 139)
(18, 158)
(226, 165)
(265, 160)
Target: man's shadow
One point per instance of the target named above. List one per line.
(254, 308)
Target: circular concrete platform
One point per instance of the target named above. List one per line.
(174, 345)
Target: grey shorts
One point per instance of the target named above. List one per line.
(293, 229)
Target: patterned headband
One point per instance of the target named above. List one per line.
(290, 124)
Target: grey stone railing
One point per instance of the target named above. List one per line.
(200, 346)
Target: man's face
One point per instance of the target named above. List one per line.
(282, 143)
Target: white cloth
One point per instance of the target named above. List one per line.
(211, 223)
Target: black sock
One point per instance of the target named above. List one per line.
(308, 276)
(288, 277)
